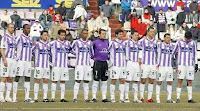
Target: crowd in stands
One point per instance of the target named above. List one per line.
(134, 15)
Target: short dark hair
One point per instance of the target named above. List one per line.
(50, 5)
(61, 31)
(133, 32)
(188, 35)
(170, 8)
(84, 30)
(24, 26)
(118, 31)
(101, 30)
(6, 10)
(160, 9)
(166, 34)
(150, 29)
(44, 31)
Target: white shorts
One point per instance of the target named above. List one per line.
(185, 71)
(83, 73)
(60, 74)
(133, 71)
(117, 72)
(165, 73)
(23, 68)
(40, 73)
(9, 70)
(148, 71)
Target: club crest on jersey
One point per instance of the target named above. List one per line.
(84, 49)
(29, 45)
(120, 50)
(12, 45)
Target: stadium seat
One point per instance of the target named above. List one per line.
(18, 32)
(21, 14)
(25, 22)
(37, 14)
(30, 15)
(116, 2)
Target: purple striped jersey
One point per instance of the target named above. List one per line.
(9, 44)
(59, 52)
(149, 51)
(41, 52)
(132, 50)
(187, 54)
(24, 48)
(165, 54)
(117, 53)
(83, 51)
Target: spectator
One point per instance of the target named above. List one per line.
(69, 36)
(139, 9)
(171, 16)
(171, 30)
(5, 19)
(82, 24)
(151, 10)
(185, 27)
(151, 24)
(79, 11)
(54, 31)
(107, 9)
(146, 16)
(62, 10)
(141, 28)
(195, 32)
(133, 4)
(91, 25)
(161, 22)
(36, 29)
(134, 20)
(180, 19)
(45, 20)
(94, 36)
(16, 20)
(179, 34)
(193, 11)
(57, 17)
(179, 6)
(101, 21)
(51, 11)
(126, 8)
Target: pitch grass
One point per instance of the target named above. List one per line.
(82, 106)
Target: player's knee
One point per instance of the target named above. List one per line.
(189, 83)
(86, 81)
(78, 81)
(17, 78)
(45, 81)
(9, 79)
(27, 79)
(159, 83)
(63, 82)
(54, 82)
(37, 81)
(169, 83)
(3, 79)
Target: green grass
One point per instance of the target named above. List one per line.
(82, 106)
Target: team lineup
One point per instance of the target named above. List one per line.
(131, 61)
